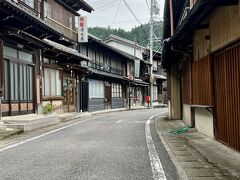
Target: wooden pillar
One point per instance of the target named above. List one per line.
(171, 17)
(1, 76)
(1, 68)
(175, 101)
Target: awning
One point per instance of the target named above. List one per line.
(139, 82)
(66, 49)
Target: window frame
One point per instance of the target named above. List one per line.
(52, 78)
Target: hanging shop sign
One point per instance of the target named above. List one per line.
(137, 68)
(82, 29)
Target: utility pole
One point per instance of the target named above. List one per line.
(155, 39)
(151, 53)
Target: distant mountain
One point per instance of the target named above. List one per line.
(141, 32)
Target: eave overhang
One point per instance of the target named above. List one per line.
(97, 73)
(23, 37)
(79, 5)
(196, 15)
(64, 4)
(18, 16)
(70, 53)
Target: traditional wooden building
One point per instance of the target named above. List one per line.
(143, 54)
(158, 77)
(108, 84)
(202, 55)
(37, 41)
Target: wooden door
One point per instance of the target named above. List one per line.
(69, 95)
(227, 96)
(108, 96)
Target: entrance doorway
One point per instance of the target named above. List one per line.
(84, 96)
(19, 89)
(69, 95)
(108, 95)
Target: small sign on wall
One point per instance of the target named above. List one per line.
(82, 29)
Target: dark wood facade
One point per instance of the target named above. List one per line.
(227, 96)
(107, 82)
(187, 82)
(210, 83)
(29, 37)
(202, 82)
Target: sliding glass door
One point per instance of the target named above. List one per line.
(18, 88)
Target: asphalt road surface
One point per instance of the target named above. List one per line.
(112, 146)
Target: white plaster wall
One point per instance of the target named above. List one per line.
(204, 122)
(126, 49)
(187, 114)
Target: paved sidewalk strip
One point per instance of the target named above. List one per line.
(189, 152)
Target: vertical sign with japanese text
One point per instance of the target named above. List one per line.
(137, 68)
(82, 29)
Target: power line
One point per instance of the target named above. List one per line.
(105, 5)
(134, 15)
(122, 22)
(117, 12)
(148, 6)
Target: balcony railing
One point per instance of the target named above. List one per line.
(106, 68)
(68, 32)
(25, 7)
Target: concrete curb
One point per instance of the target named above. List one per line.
(180, 170)
(4, 135)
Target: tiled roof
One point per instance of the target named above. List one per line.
(65, 49)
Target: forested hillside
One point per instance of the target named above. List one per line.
(141, 32)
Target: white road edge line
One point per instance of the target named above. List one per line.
(180, 170)
(157, 168)
(45, 134)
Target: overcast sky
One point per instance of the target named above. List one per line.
(109, 12)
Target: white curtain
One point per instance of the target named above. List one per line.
(96, 89)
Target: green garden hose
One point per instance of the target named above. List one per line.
(181, 130)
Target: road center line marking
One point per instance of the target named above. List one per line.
(45, 134)
(157, 169)
(119, 121)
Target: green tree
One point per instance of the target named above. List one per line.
(141, 32)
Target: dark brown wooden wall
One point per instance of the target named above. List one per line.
(61, 14)
(186, 81)
(227, 96)
(202, 91)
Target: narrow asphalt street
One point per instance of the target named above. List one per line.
(110, 146)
